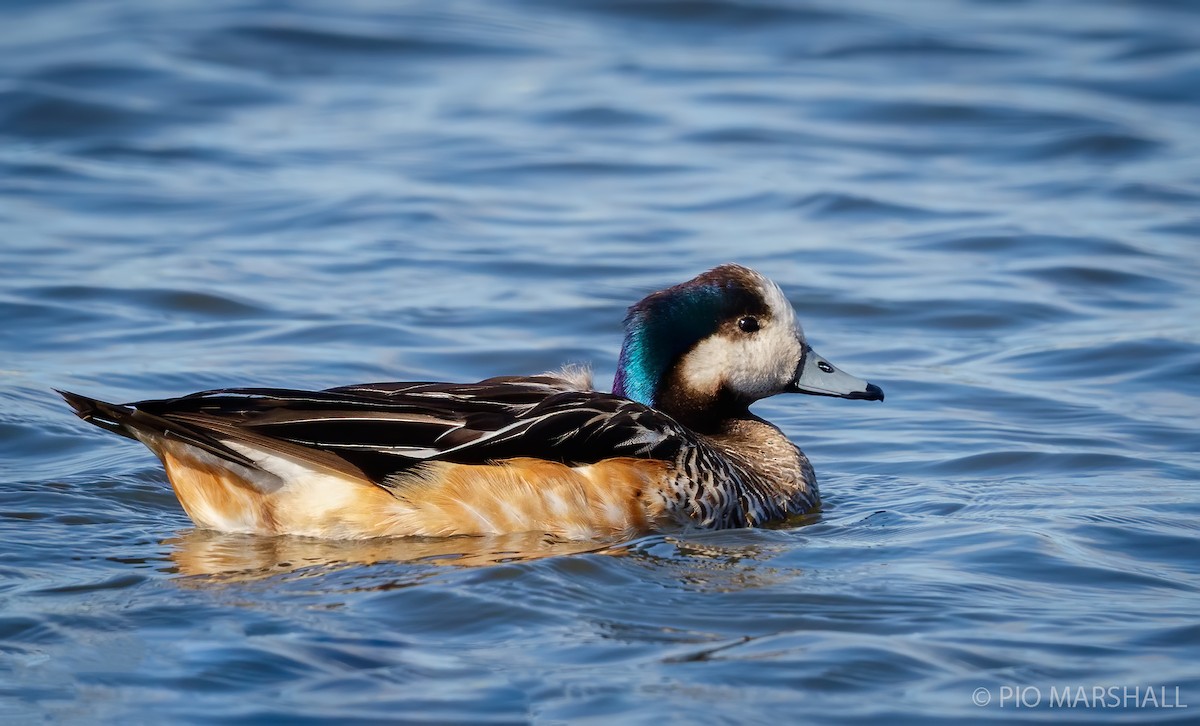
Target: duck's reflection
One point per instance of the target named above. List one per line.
(733, 560)
(249, 557)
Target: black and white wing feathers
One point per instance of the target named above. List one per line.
(386, 428)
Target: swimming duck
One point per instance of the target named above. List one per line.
(674, 445)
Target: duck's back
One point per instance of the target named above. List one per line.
(502, 455)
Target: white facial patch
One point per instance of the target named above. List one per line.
(752, 365)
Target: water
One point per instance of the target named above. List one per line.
(988, 208)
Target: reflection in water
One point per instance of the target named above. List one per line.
(701, 561)
(239, 557)
(697, 562)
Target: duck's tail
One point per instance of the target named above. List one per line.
(132, 423)
(233, 480)
(107, 416)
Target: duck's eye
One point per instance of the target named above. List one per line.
(748, 324)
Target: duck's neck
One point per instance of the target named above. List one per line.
(701, 407)
(777, 478)
(703, 410)
(776, 474)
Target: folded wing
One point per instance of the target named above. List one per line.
(387, 428)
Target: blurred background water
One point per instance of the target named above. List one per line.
(992, 209)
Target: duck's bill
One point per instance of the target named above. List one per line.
(819, 377)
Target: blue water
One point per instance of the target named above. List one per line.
(991, 209)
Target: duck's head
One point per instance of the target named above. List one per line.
(720, 341)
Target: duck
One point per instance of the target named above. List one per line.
(674, 446)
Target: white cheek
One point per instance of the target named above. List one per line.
(765, 363)
(707, 365)
(753, 366)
